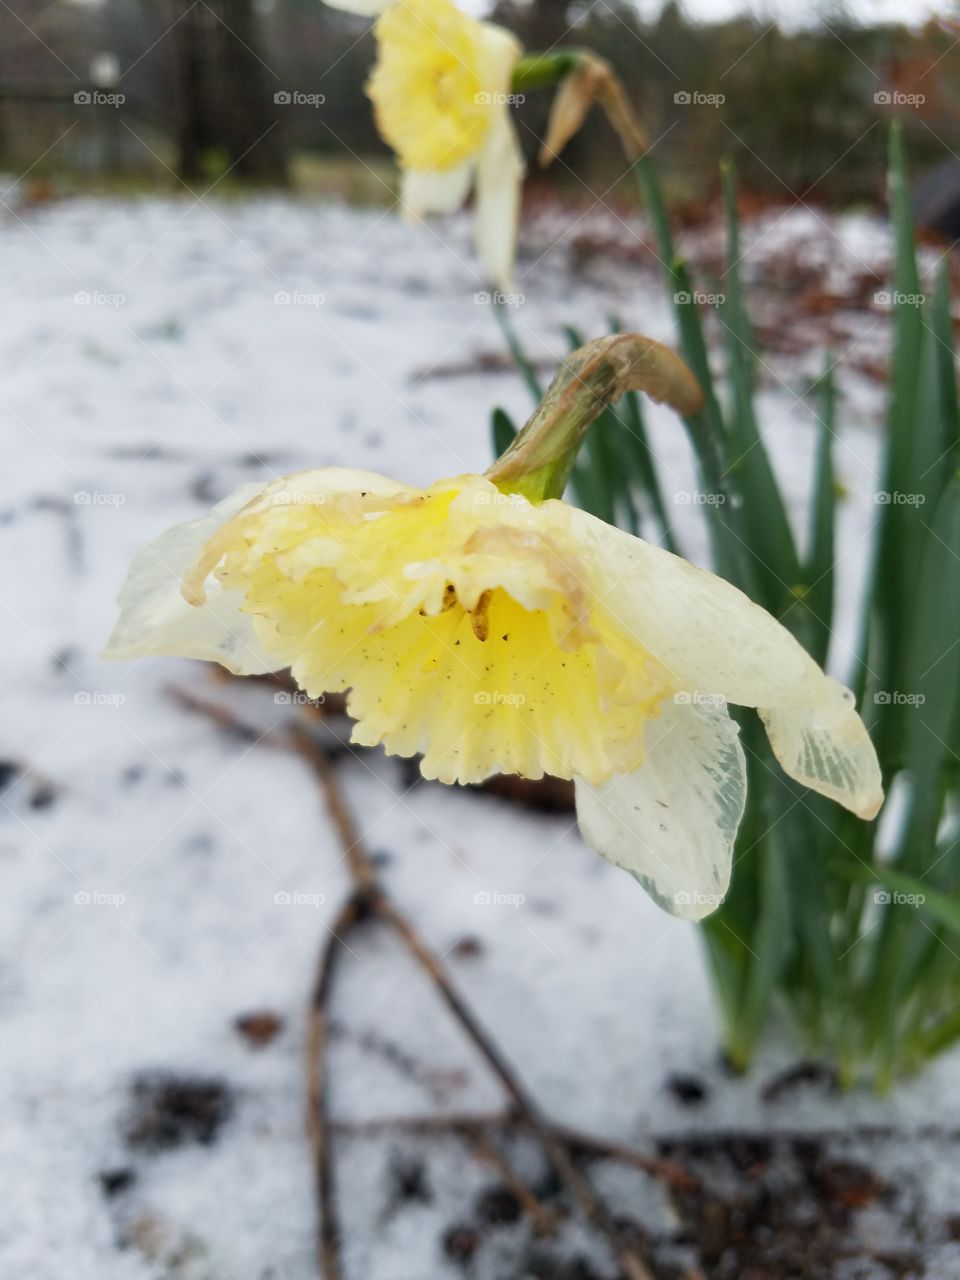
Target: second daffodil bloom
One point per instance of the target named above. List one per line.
(491, 629)
(441, 94)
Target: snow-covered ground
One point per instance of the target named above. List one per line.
(148, 365)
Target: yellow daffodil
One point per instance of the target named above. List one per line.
(441, 94)
(491, 632)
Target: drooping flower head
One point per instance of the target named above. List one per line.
(441, 95)
(488, 629)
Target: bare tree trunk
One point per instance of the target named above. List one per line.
(225, 92)
(189, 41)
(250, 127)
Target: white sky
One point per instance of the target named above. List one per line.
(794, 14)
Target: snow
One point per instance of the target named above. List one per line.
(143, 851)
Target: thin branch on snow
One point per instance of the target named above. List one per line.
(673, 1175)
(369, 899)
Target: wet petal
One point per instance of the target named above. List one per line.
(155, 618)
(672, 822)
(435, 190)
(712, 637)
(500, 167)
(716, 641)
(826, 747)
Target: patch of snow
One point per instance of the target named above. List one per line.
(149, 364)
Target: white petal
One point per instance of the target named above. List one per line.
(827, 748)
(436, 190)
(501, 49)
(672, 822)
(154, 617)
(708, 633)
(716, 641)
(500, 166)
(366, 8)
(323, 483)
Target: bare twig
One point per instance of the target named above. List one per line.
(590, 1203)
(668, 1171)
(671, 1173)
(221, 717)
(544, 1220)
(367, 882)
(370, 899)
(318, 1101)
(361, 868)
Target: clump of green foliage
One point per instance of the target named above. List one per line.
(853, 927)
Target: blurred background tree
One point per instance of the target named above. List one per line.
(801, 111)
(223, 92)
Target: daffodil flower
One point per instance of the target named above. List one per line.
(441, 94)
(491, 629)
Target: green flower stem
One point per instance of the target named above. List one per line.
(542, 70)
(539, 462)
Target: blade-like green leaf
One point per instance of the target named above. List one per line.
(502, 431)
(942, 325)
(764, 523)
(629, 414)
(818, 574)
(892, 571)
(943, 907)
(706, 429)
(518, 354)
(932, 669)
